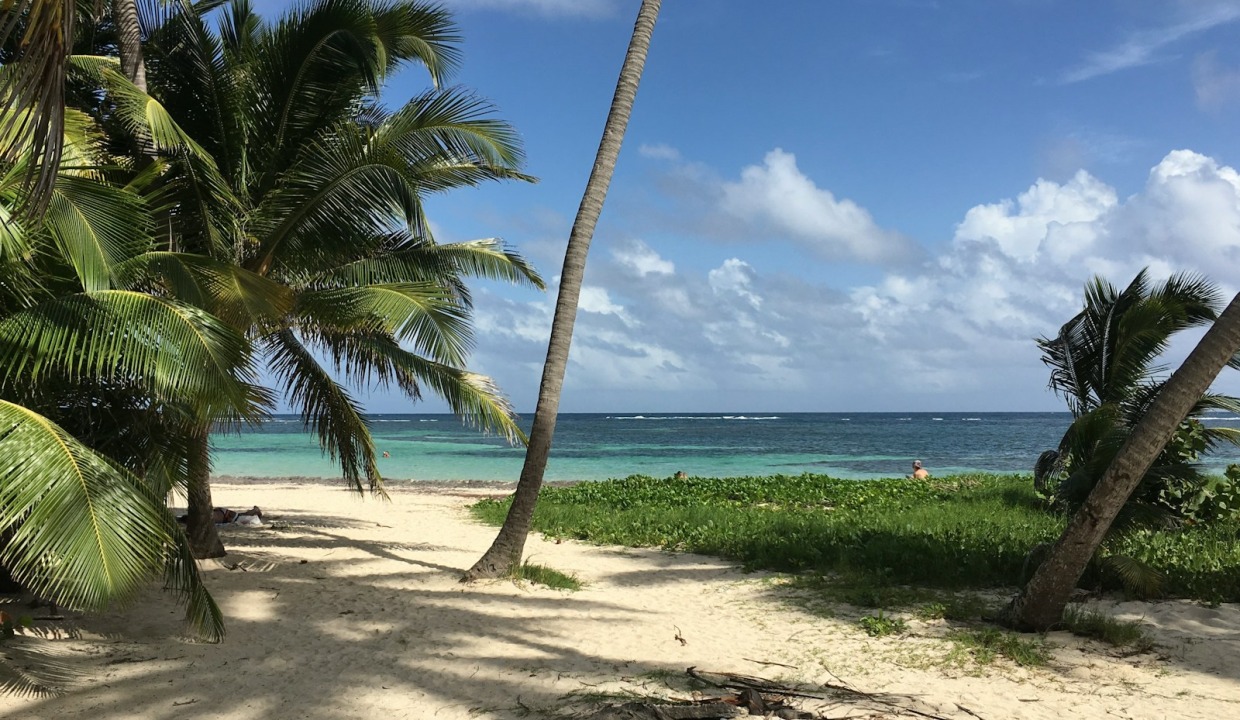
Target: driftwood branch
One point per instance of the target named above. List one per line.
(757, 685)
(756, 696)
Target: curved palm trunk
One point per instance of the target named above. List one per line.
(506, 551)
(199, 526)
(1040, 605)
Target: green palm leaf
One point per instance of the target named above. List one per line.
(327, 407)
(180, 352)
(83, 531)
(95, 226)
(450, 124)
(474, 397)
(424, 261)
(423, 314)
(142, 115)
(35, 82)
(231, 293)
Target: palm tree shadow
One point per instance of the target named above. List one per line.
(302, 636)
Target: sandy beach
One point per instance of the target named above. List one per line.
(344, 607)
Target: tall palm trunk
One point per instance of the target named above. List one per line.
(509, 544)
(129, 41)
(200, 526)
(1040, 605)
(129, 45)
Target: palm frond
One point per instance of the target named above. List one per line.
(204, 80)
(327, 407)
(181, 353)
(82, 530)
(1136, 577)
(181, 577)
(473, 397)
(96, 226)
(35, 83)
(450, 125)
(351, 186)
(418, 32)
(420, 313)
(78, 529)
(415, 261)
(231, 293)
(140, 113)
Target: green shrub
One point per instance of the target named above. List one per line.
(969, 532)
(881, 625)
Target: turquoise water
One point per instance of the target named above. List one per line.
(601, 446)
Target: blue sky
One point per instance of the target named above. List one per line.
(846, 205)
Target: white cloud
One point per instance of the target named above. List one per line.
(1214, 84)
(777, 196)
(642, 259)
(597, 300)
(1047, 216)
(958, 333)
(1141, 48)
(1188, 215)
(659, 152)
(734, 277)
(1016, 269)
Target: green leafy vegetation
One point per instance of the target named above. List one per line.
(986, 644)
(1100, 626)
(1106, 362)
(869, 590)
(543, 575)
(866, 539)
(881, 625)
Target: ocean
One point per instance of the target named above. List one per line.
(598, 446)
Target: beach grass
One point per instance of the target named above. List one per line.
(549, 577)
(985, 644)
(968, 532)
(1101, 626)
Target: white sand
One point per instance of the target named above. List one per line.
(354, 611)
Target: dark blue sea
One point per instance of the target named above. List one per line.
(605, 445)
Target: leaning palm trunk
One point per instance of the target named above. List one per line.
(509, 545)
(204, 540)
(1040, 605)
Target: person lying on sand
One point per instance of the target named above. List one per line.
(226, 516)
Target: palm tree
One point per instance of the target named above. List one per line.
(509, 544)
(1104, 361)
(129, 41)
(78, 524)
(309, 194)
(1040, 605)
